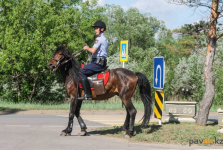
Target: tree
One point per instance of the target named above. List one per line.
(192, 36)
(215, 14)
(30, 31)
(139, 29)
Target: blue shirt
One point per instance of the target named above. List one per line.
(101, 43)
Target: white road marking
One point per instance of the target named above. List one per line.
(22, 126)
(48, 126)
(108, 120)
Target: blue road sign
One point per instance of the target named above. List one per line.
(124, 51)
(159, 72)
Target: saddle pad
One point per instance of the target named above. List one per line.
(104, 76)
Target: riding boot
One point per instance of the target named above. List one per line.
(87, 90)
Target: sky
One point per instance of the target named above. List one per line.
(173, 15)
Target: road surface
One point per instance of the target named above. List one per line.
(40, 131)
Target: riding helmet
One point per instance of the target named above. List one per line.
(100, 24)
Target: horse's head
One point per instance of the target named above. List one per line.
(60, 57)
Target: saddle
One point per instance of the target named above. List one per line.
(98, 81)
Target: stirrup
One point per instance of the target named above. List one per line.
(85, 97)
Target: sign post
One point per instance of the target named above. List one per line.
(158, 82)
(124, 52)
(158, 108)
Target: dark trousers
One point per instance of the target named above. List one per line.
(90, 69)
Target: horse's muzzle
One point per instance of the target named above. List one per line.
(50, 66)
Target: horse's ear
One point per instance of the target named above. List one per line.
(65, 46)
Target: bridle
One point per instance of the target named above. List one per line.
(62, 58)
(59, 61)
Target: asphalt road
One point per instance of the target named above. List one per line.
(42, 132)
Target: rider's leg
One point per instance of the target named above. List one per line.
(85, 72)
(87, 90)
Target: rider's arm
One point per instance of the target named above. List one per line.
(92, 50)
(95, 47)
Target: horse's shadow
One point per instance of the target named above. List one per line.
(102, 131)
(4, 111)
(117, 130)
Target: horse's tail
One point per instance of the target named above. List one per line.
(145, 92)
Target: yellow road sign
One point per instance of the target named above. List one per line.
(124, 51)
(158, 109)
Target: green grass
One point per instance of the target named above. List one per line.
(31, 106)
(110, 105)
(87, 105)
(168, 133)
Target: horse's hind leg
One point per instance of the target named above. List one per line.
(80, 120)
(132, 113)
(125, 127)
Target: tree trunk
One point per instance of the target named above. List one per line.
(34, 87)
(208, 97)
(18, 86)
(209, 94)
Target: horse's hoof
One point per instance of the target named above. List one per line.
(127, 136)
(83, 133)
(63, 134)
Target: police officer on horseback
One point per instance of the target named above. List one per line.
(98, 62)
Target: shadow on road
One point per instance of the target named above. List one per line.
(104, 131)
(4, 111)
(117, 130)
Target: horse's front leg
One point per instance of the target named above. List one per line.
(69, 128)
(79, 119)
(125, 127)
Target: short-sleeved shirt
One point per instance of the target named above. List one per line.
(101, 43)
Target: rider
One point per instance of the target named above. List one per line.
(98, 62)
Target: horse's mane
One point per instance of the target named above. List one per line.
(75, 65)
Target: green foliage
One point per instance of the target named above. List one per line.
(191, 36)
(30, 31)
(138, 29)
(188, 81)
(218, 73)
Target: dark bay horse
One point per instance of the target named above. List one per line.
(122, 82)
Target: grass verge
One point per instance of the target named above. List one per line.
(170, 133)
(87, 105)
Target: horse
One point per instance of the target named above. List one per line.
(121, 82)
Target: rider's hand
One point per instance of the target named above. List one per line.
(86, 47)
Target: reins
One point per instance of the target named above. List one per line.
(78, 53)
(73, 54)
